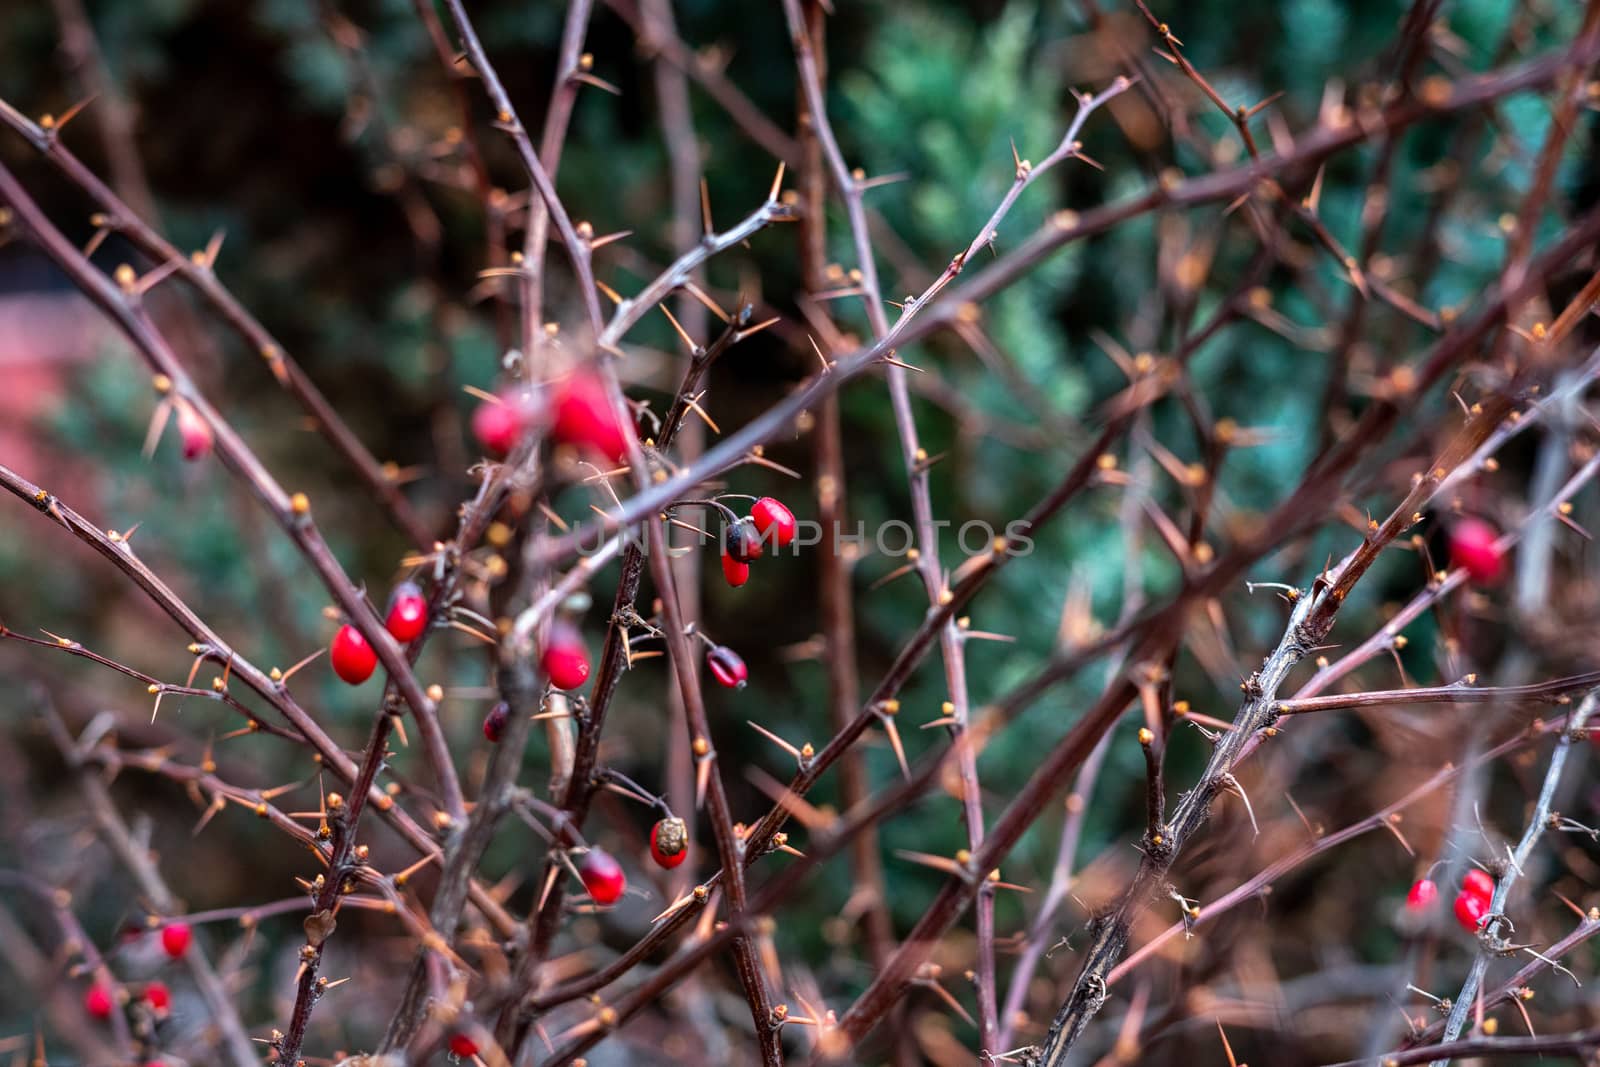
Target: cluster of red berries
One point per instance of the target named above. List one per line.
(176, 938)
(1475, 548)
(1471, 905)
(354, 659)
(582, 417)
(744, 540)
(576, 412)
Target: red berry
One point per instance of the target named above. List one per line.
(565, 661)
(669, 842)
(97, 1001)
(1473, 548)
(408, 613)
(158, 996)
(602, 876)
(194, 433)
(497, 425)
(175, 938)
(353, 659)
(494, 723)
(1423, 894)
(740, 540)
(727, 667)
(1471, 910)
(463, 1046)
(1478, 883)
(774, 521)
(584, 417)
(735, 572)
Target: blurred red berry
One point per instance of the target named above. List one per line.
(353, 659)
(773, 521)
(408, 613)
(1478, 883)
(735, 572)
(175, 938)
(669, 842)
(565, 660)
(727, 667)
(1473, 548)
(494, 723)
(583, 416)
(158, 996)
(463, 1046)
(1471, 910)
(97, 1001)
(497, 424)
(194, 433)
(602, 876)
(1423, 894)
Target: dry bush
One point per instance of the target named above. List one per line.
(1401, 593)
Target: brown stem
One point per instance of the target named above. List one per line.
(336, 883)
(521, 688)
(836, 610)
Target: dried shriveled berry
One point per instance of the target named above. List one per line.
(353, 659)
(602, 876)
(494, 723)
(740, 540)
(669, 842)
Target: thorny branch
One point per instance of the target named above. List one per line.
(1499, 363)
